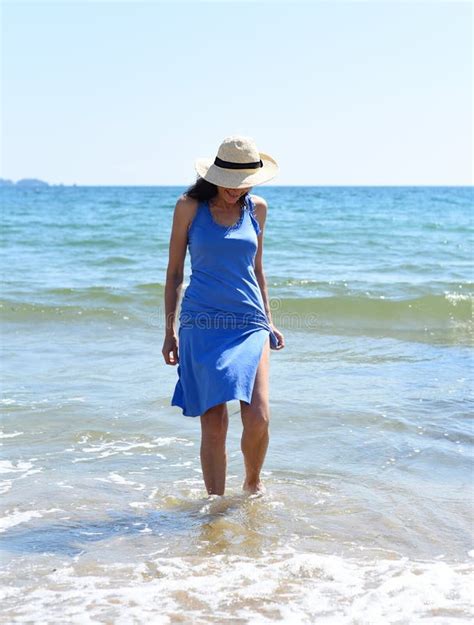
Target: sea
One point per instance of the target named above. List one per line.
(367, 517)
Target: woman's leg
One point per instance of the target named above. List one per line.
(214, 424)
(256, 419)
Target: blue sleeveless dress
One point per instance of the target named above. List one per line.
(223, 326)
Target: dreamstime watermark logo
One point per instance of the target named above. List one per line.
(282, 318)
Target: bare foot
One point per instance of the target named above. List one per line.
(253, 488)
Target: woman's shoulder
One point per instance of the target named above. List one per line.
(260, 205)
(259, 210)
(186, 207)
(184, 202)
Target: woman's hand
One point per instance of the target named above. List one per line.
(170, 350)
(280, 337)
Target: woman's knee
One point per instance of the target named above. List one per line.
(214, 423)
(256, 419)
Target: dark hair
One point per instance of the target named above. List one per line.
(203, 190)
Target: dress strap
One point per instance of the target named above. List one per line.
(253, 216)
(199, 210)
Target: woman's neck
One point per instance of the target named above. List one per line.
(226, 206)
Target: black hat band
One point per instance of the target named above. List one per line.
(228, 165)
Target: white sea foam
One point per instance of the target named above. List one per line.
(10, 434)
(110, 448)
(116, 478)
(16, 517)
(5, 486)
(20, 469)
(286, 588)
(166, 441)
(456, 298)
(7, 466)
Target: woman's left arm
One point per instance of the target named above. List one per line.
(261, 215)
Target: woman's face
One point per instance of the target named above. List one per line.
(231, 196)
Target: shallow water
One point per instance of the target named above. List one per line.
(368, 512)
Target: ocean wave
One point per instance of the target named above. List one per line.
(115, 260)
(102, 294)
(286, 587)
(144, 304)
(24, 312)
(427, 311)
(72, 304)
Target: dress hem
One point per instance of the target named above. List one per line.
(229, 397)
(221, 401)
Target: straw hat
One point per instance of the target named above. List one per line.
(238, 164)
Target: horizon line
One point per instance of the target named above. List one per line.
(342, 185)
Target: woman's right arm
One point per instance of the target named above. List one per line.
(183, 215)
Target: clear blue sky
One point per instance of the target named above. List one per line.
(339, 93)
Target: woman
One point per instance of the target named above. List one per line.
(225, 327)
